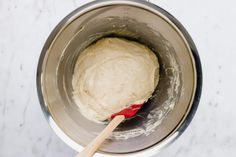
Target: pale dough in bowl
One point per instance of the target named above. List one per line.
(112, 74)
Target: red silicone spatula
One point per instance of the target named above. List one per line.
(128, 112)
(117, 118)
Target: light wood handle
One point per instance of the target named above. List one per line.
(95, 144)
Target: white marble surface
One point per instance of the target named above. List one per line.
(24, 27)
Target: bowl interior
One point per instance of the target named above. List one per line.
(171, 99)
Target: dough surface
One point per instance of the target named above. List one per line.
(112, 74)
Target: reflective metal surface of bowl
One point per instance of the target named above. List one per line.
(163, 118)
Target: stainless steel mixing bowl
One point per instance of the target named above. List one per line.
(163, 118)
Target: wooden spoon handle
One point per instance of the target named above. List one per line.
(95, 144)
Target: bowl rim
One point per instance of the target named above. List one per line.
(184, 123)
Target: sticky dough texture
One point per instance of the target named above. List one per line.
(112, 74)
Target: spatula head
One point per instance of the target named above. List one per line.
(129, 112)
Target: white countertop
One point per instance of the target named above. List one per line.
(24, 27)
